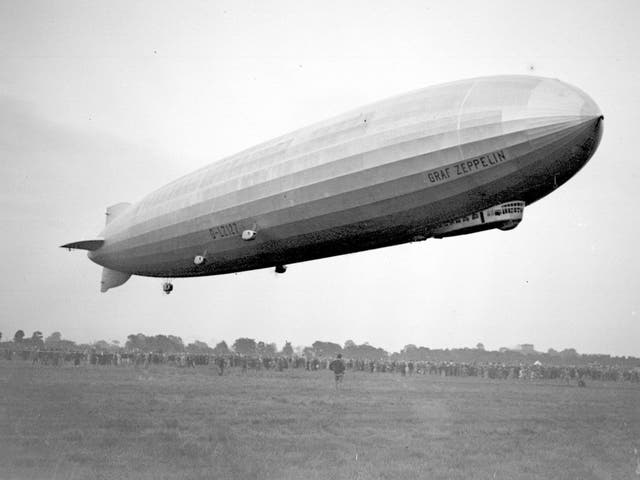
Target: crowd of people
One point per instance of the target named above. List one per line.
(246, 363)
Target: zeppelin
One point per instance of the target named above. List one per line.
(446, 160)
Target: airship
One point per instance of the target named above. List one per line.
(445, 160)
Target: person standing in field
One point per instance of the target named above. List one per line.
(338, 367)
(219, 361)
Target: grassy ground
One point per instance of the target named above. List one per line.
(164, 422)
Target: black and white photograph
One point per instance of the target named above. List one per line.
(292, 239)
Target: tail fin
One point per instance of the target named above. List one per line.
(90, 245)
(114, 210)
(112, 278)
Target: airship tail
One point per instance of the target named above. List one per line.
(112, 278)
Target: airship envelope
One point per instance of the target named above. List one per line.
(446, 160)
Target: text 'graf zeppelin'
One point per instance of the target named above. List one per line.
(466, 166)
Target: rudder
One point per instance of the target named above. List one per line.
(115, 210)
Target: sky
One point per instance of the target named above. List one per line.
(103, 102)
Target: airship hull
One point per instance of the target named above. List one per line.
(378, 176)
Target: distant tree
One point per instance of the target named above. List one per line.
(37, 339)
(409, 352)
(326, 349)
(198, 347)
(409, 349)
(366, 351)
(424, 353)
(350, 349)
(270, 350)
(101, 345)
(157, 343)
(260, 348)
(56, 341)
(552, 351)
(349, 344)
(53, 340)
(245, 346)
(67, 345)
(175, 344)
(480, 346)
(136, 342)
(165, 344)
(287, 350)
(221, 348)
(569, 352)
(19, 336)
(0, 335)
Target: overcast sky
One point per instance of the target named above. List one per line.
(102, 102)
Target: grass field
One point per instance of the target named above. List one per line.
(165, 422)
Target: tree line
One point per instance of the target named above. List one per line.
(172, 344)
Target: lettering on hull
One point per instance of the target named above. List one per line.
(224, 231)
(466, 167)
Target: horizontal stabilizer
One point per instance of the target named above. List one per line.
(90, 245)
(112, 278)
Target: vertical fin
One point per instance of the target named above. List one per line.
(114, 210)
(112, 278)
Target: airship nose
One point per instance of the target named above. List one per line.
(563, 118)
(557, 112)
(553, 98)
